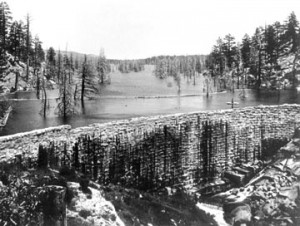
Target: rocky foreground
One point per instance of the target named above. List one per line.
(270, 198)
(44, 196)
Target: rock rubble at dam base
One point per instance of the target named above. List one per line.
(272, 197)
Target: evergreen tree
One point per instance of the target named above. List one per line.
(229, 49)
(257, 55)
(14, 40)
(271, 43)
(3, 63)
(102, 67)
(44, 99)
(66, 104)
(59, 66)
(38, 58)
(5, 20)
(88, 80)
(70, 67)
(15, 47)
(291, 43)
(28, 45)
(245, 50)
(76, 64)
(51, 56)
(38, 53)
(218, 58)
(291, 36)
(169, 67)
(51, 63)
(278, 37)
(198, 66)
(161, 69)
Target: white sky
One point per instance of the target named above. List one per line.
(142, 28)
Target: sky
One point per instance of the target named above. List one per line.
(131, 29)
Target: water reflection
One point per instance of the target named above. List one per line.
(25, 115)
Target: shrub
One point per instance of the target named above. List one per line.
(68, 173)
(84, 213)
(19, 203)
(84, 183)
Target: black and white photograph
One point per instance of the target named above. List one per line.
(149, 113)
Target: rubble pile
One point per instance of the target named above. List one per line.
(272, 197)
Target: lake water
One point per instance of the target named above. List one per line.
(122, 100)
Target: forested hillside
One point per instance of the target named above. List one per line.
(270, 57)
(21, 53)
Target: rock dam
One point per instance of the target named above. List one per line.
(147, 153)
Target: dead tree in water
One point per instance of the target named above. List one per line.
(44, 95)
(88, 86)
(65, 100)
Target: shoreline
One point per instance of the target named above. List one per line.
(4, 119)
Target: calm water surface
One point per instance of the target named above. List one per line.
(25, 115)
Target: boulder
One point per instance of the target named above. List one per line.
(241, 214)
(91, 209)
(292, 148)
(289, 192)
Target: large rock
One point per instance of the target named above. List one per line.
(241, 214)
(292, 148)
(90, 209)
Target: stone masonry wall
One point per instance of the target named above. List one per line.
(188, 149)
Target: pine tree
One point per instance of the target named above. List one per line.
(3, 63)
(44, 98)
(38, 58)
(28, 45)
(245, 51)
(218, 58)
(51, 63)
(66, 104)
(291, 36)
(257, 55)
(292, 43)
(5, 20)
(229, 49)
(14, 42)
(88, 81)
(166, 67)
(198, 66)
(278, 36)
(38, 53)
(15, 46)
(51, 56)
(161, 69)
(271, 45)
(59, 66)
(102, 67)
(76, 64)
